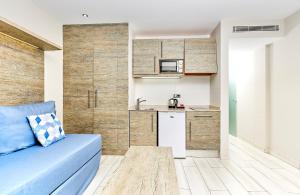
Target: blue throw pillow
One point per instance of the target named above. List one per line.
(46, 128)
(15, 131)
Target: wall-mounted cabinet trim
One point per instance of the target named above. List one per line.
(22, 34)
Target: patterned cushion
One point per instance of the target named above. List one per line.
(46, 128)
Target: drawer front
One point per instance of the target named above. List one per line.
(203, 130)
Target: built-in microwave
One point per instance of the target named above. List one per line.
(171, 66)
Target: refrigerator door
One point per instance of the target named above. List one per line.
(171, 132)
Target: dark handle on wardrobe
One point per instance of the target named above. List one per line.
(154, 64)
(89, 99)
(190, 130)
(96, 98)
(152, 122)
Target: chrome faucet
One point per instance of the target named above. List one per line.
(138, 102)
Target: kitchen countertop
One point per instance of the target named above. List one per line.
(165, 108)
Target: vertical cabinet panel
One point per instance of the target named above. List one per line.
(143, 128)
(203, 130)
(78, 89)
(200, 56)
(96, 83)
(146, 56)
(172, 49)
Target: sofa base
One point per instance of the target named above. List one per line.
(78, 183)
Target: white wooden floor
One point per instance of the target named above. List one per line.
(248, 171)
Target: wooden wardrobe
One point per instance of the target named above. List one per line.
(96, 83)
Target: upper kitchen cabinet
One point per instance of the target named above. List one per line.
(146, 53)
(200, 56)
(172, 49)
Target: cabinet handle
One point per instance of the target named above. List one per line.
(190, 130)
(204, 116)
(96, 98)
(161, 49)
(89, 103)
(154, 64)
(152, 122)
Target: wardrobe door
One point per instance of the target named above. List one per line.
(111, 92)
(78, 90)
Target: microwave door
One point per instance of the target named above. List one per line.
(169, 67)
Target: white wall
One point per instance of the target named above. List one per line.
(283, 74)
(285, 94)
(193, 90)
(26, 14)
(224, 35)
(248, 71)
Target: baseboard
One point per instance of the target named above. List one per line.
(286, 160)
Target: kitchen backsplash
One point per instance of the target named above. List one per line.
(193, 90)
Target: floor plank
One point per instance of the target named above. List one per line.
(188, 162)
(196, 182)
(248, 183)
(233, 186)
(109, 172)
(259, 193)
(219, 193)
(185, 192)
(266, 183)
(255, 154)
(286, 185)
(289, 176)
(211, 179)
(106, 163)
(182, 181)
(215, 162)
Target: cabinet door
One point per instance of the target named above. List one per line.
(172, 49)
(111, 97)
(203, 130)
(143, 128)
(146, 57)
(78, 89)
(200, 56)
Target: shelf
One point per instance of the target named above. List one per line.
(17, 32)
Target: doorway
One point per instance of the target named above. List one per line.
(248, 90)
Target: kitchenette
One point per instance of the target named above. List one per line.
(172, 79)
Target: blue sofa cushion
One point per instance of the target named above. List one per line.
(46, 128)
(41, 170)
(15, 131)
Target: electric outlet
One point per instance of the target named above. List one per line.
(176, 96)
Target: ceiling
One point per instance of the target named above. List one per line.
(167, 17)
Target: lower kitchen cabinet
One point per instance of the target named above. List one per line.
(202, 130)
(143, 128)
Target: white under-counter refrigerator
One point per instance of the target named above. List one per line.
(171, 132)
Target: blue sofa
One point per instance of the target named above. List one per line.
(65, 167)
